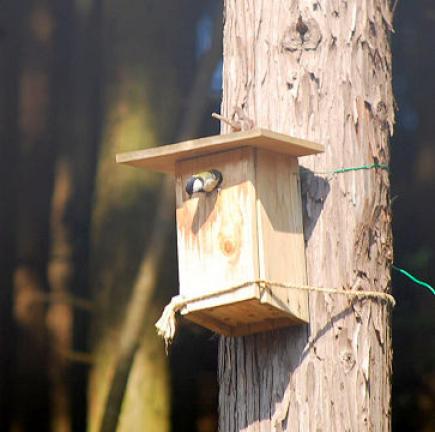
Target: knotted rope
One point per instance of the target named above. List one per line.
(166, 325)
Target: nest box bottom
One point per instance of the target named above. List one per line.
(241, 318)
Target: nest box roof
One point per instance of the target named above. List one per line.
(163, 158)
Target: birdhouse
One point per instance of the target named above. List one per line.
(247, 232)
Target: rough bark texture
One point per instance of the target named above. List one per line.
(319, 70)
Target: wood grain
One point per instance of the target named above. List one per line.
(250, 230)
(280, 230)
(242, 318)
(164, 158)
(216, 233)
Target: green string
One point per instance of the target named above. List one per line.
(362, 167)
(384, 167)
(414, 279)
(358, 168)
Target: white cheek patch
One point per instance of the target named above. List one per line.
(197, 185)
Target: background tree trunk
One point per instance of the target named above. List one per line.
(143, 43)
(321, 71)
(78, 81)
(11, 26)
(37, 153)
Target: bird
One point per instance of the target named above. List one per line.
(205, 181)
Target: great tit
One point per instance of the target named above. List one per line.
(205, 181)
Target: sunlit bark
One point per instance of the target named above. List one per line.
(321, 71)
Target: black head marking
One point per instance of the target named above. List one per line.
(218, 176)
(189, 186)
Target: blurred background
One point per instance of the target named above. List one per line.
(81, 80)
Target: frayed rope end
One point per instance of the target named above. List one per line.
(166, 325)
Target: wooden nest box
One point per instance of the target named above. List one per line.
(248, 230)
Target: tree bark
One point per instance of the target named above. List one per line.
(319, 70)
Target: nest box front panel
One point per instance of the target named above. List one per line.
(217, 232)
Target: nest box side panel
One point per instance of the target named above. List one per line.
(280, 230)
(216, 232)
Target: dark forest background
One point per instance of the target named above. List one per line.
(81, 80)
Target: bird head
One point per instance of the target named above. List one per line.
(218, 176)
(194, 184)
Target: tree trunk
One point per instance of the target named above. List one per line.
(142, 44)
(60, 266)
(319, 70)
(77, 84)
(34, 189)
(11, 26)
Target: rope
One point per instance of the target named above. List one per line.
(166, 325)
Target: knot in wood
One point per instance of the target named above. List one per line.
(241, 119)
(228, 247)
(382, 114)
(347, 360)
(229, 235)
(301, 27)
(302, 35)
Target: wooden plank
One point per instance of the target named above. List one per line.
(203, 319)
(280, 230)
(216, 233)
(242, 318)
(251, 229)
(246, 293)
(163, 158)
